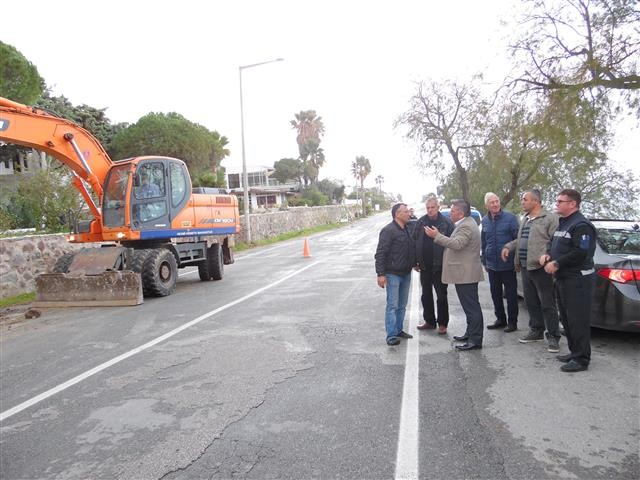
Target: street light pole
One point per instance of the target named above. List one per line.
(245, 175)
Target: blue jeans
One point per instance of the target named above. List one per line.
(397, 297)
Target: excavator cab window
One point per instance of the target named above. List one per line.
(115, 196)
(150, 202)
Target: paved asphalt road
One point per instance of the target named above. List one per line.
(280, 370)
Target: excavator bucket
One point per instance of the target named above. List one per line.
(107, 289)
(93, 278)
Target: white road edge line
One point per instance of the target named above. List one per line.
(409, 432)
(77, 379)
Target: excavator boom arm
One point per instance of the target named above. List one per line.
(69, 143)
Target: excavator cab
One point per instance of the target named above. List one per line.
(144, 195)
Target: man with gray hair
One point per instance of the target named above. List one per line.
(534, 240)
(498, 228)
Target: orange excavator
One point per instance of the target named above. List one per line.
(145, 212)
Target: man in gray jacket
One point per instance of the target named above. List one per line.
(534, 239)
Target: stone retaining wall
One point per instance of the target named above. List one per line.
(23, 258)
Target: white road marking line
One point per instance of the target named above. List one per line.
(409, 432)
(77, 379)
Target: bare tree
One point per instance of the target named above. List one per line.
(580, 44)
(447, 117)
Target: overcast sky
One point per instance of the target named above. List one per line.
(354, 62)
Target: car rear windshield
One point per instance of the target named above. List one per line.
(619, 241)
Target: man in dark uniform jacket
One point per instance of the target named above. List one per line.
(570, 261)
(429, 255)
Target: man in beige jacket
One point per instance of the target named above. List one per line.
(461, 266)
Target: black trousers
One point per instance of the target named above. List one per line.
(468, 296)
(540, 298)
(506, 278)
(575, 296)
(432, 280)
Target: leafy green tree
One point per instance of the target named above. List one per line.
(90, 118)
(287, 169)
(563, 144)
(43, 200)
(210, 179)
(449, 117)
(360, 169)
(580, 44)
(19, 78)
(333, 190)
(172, 135)
(310, 129)
(310, 196)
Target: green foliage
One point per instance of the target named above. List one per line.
(8, 220)
(17, 299)
(172, 135)
(43, 200)
(360, 169)
(19, 78)
(310, 197)
(332, 190)
(310, 128)
(210, 179)
(287, 169)
(561, 144)
(92, 119)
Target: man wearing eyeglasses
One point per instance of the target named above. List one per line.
(570, 261)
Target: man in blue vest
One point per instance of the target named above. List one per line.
(499, 228)
(570, 261)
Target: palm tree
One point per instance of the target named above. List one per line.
(310, 128)
(361, 168)
(379, 182)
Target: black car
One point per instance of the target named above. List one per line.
(616, 301)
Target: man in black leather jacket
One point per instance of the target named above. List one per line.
(395, 258)
(429, 255)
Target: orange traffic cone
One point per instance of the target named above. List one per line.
(305, 251)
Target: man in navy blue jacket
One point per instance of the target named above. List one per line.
(570, 261)
(499, 228)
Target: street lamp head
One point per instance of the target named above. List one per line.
(242, 67)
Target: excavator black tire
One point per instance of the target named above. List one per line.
(159, 273)
(63, 263)
(137, 265)
(213, 267)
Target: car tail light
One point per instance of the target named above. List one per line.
(620, 275)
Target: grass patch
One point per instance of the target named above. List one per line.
(17, 299)
(240, 246)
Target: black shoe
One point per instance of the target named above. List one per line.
(564, 358)
(461, 338)
(573, 366)
(468, 346)
(391, 341)
(496, 325)
(404, 335)
(512, 327)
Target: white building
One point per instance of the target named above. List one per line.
(264, 192)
